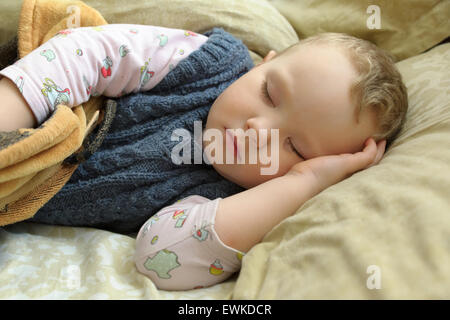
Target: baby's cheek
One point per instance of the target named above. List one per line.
(276, 168)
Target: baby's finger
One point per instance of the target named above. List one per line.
(380, 152)
(363, 159)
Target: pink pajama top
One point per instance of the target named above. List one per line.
(177, 248)
(110, 60)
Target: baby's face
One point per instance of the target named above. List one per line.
(309, 104)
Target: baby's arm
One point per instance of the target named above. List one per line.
(185, 246)
(243, 219)
(200, 242)
(14, 110)
(111, 60)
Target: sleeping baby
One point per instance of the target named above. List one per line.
(295, 124)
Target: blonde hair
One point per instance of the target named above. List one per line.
(379, 84)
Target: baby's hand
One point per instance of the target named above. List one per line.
(329, 170)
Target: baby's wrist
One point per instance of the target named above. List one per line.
(306, 177)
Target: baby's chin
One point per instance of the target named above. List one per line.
(221, 169)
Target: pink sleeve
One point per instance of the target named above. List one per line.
(110, 60)
(179, 249)
(198, 205)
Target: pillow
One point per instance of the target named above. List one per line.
(382, 233)
(407, 28)
(9, 19)
(258, 24)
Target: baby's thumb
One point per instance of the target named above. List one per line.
(363, 159)
(381, 147)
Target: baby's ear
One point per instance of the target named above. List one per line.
(269, 56)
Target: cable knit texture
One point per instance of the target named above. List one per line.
(131, 176)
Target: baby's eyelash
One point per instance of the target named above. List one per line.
(265, 92)
(293, 148)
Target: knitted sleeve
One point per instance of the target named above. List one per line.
(110, 60)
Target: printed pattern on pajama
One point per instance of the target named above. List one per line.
(179, 249)
(110, 60)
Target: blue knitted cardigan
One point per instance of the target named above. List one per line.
(131, 176)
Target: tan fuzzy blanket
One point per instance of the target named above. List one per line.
(32, 166)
